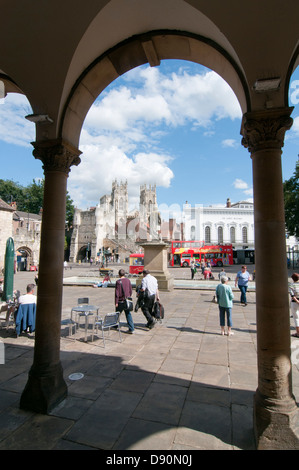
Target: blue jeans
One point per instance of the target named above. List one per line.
(120, 308)
(243, 290)
(228, 311)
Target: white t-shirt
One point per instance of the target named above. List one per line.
(151, 283)
(27, 299)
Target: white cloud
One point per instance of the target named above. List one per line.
(230, 143)
(295, 127)
(101, 165)
(14, 128)
(176, 100)
(242, 185)
(122, 131)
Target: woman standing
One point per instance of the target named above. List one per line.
(294, 291)
(225, 297)
(193, 268)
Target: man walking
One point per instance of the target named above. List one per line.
(149, 287)
(123, 289)
(242, 279)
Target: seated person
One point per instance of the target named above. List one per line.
(207, 272)
(29, 297)
(104, 282)
(26, 322)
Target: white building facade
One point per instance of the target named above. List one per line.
(215, 224)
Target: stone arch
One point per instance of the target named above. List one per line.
(9, 85)
(24, 258)
(146, 48)
(294, 63)
(83, 253)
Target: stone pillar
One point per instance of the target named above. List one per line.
(46, 387)
(275, 410)
(155, 260)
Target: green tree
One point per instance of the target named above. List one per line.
(291, 202)
(30, 198)
(70, 209)
(33, 196)
(10, 191)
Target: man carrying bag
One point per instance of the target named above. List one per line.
(123, 290)
(149, 287)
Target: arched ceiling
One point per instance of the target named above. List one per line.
(47, 46)
(152, 47)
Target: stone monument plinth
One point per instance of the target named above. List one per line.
(155, 260)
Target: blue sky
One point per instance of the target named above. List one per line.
(176, 126)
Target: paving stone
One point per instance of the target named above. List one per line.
(179, 386)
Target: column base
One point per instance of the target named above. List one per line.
(276, 425)
(44, 390)
(165, 281)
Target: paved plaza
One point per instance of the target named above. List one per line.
(180, 386)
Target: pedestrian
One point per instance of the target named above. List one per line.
(29, 297)
(241, 280)
(193, 268)
(104, 282)
(208, 271)
(123, 289)
(149, 289)
(294, 291)
(222, 273)
(225, 297)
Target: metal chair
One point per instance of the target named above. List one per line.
(111, 320)
(6, 313)
(75, 322)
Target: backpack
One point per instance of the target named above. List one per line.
(158, 311)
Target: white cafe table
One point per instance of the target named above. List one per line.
(86, 311)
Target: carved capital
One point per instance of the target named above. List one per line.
(56, 155)
(265, 129)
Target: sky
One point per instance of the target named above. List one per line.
(176, 126)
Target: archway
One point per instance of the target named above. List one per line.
(263, 132)
(150, 48)
(24, 258)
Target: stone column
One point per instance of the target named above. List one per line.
(155, 260)
(46, 387)
(275, 410)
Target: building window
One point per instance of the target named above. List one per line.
(244, 235)
(208, 234)
(232, 235)
(192, 233)
(220, 235)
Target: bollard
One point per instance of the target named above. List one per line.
(9, 270)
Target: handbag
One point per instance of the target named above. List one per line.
(158, 310)
(128, 300)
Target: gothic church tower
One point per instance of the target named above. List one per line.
(120, 204)
(148, 210)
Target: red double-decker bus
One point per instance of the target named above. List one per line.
(136, 263)
(182, 252)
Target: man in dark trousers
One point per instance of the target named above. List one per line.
(149, 287)
(123, 289)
